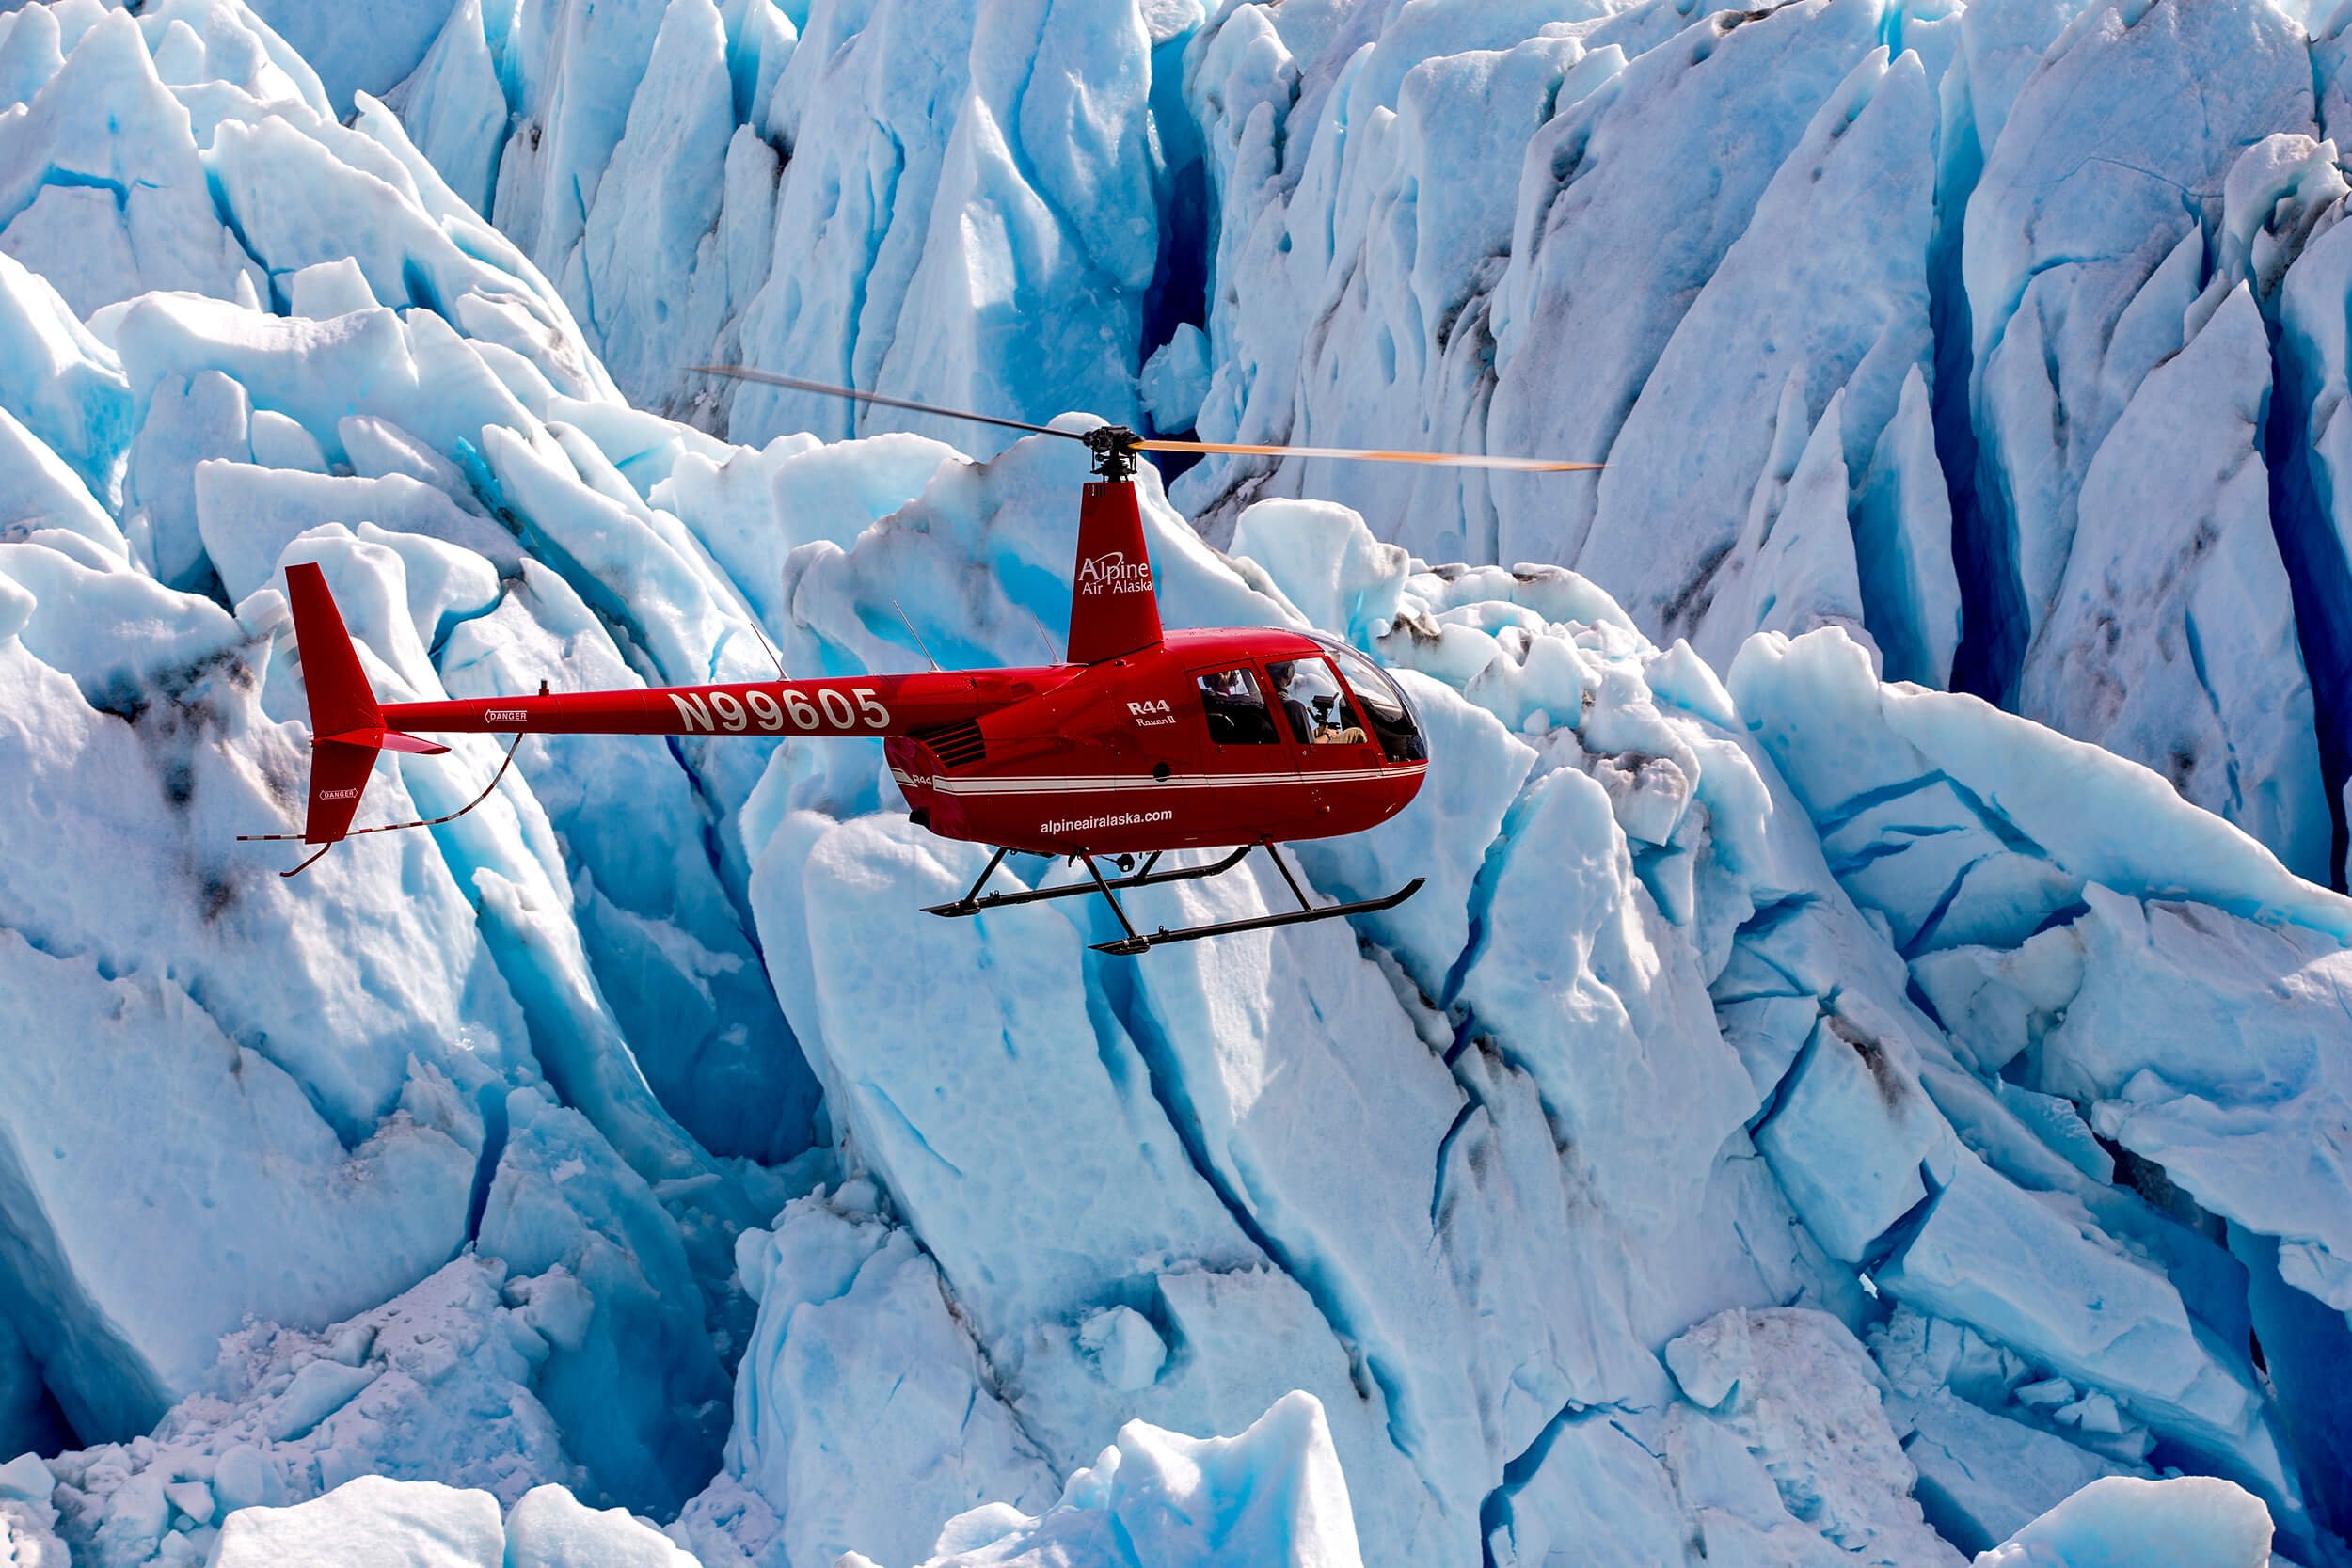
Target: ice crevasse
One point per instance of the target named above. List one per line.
(1802, 1119)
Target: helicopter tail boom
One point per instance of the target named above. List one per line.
(349, 729)
(837, 706)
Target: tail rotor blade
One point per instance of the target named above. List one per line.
(1364, 454)
(745, 372)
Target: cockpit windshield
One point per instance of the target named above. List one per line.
(1383, 704)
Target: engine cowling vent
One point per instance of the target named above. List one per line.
(955, 745)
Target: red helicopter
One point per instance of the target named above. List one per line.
(1142, 743)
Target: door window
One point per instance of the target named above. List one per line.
(1235, 710)
(1376, 695)
(1312, 702)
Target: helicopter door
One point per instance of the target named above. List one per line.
(1322, 729)
(1242, 739)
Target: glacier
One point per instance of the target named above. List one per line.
(1866, 1079)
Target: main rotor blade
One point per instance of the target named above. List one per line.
(1438, 459)
(745, 372)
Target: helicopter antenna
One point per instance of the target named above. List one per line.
(917, 635)
(767, 647)
(1051, 658)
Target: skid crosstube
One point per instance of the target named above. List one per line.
(971, 903)
(1135, 942)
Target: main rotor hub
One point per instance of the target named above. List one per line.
(1113, 448)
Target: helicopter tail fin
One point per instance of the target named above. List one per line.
(340, 700)
(1114, 606)
(346, 725)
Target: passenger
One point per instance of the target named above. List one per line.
(1302, 722)
(1234, 713)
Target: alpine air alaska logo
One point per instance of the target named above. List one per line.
(1113, 573)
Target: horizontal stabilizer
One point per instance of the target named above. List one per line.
(390, 741)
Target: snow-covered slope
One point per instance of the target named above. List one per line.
(1804, 1120)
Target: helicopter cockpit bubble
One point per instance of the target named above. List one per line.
(1382, 703)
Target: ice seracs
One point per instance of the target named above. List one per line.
(2190, 1520)
(106, 192)
(1273, 1494)
(2058, 245)
(1842, 237)
(1750, 1141)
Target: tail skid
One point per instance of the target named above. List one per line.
(347, 730)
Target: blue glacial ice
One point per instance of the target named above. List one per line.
(1805, 1117)
(1271, 1494)
(2116, 1520)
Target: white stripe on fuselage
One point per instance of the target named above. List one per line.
(1100, 783)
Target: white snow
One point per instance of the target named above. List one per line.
(551, 1529)
(371, 1522)
(368, 1520)
(436, 1383)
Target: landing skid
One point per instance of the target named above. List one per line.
(1134, 942)
(972, 903)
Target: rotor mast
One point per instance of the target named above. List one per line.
(1114, 447)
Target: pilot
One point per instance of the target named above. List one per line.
(1318, 730)
(1302, 722)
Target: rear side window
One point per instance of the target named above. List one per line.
(1235, 710)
